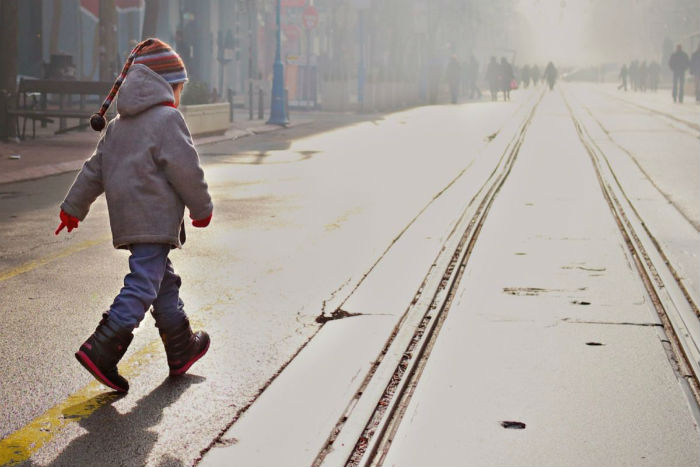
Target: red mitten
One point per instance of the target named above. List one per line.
(66, 221)
(202, 222)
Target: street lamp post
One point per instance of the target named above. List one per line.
(278, 111)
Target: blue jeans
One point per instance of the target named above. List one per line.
(152, 281)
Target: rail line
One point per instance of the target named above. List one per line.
(363, 440)
(676, 309)
(641, 168)
(691, 125)
(360, 439)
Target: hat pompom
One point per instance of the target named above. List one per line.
(97, 122)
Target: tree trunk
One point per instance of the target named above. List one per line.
(150, 20)
(109, 60)
(8, 64)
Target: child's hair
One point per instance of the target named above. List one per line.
(156, 55)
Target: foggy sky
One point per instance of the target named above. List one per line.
(589, 32)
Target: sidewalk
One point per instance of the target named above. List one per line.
(51, 154)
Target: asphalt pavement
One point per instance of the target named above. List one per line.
(551, 351)
(330, 240)
(301, 215)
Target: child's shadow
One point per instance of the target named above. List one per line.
(113, 438)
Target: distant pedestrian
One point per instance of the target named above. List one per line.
(654, 75)
(695, 71)
(525, 75)
(623, 77)
(643, 76)
(148, 168)
(472, 78)
(550, 74)
(634, 75)
(507, 78)
(493, 74)
(679, 63)
(535, 74)
(453, 78)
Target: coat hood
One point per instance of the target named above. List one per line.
(142, 89)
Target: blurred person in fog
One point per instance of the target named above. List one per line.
(535, 74)
(623, 77)
(679, 63)
(643, 76)
(492, 76)
(453, 77)
(654, 74)
(695, 71)
(634, 75)
(550, 74)
(506, 77)
(525, 75)
(471, 78)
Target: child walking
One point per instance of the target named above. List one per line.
(146, 165)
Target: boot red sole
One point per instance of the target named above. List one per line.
(92, 368)
(187, 366)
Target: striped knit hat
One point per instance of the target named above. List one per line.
(156, 55)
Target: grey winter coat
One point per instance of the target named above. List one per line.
(147, 166)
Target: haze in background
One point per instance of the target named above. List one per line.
(592, 32)
(556, 28)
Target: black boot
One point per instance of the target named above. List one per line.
(182, 346)
(102, 350)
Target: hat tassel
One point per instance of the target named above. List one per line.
(97, 120)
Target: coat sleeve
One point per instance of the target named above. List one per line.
(86, 187)
(179, 160)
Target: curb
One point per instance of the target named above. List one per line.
(45, 170)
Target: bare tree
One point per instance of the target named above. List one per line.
(150, 19)
(108, 40)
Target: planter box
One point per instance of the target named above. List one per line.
(207, 119)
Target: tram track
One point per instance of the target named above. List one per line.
(671, 300)
(360, 439)
(661, 113)
(371, 415)
(636, 162)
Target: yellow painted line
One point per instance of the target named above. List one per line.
(51, 258)
(23, 443)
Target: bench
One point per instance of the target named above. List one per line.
(42, 99)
